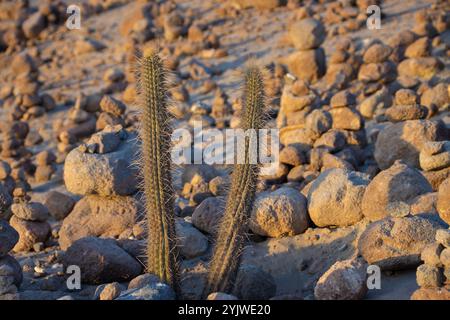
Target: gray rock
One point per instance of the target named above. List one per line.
(206, 217)
(5, 199)
(101, 260)
(7, 285)
(31, 211)
(279, 213)
(252, 283)
(9, 267)
(345, 280)
(396, 243)
(59, 204)
(8, 237)
(154, 291)
(104, 142)
(142, 280)
(404, 141)
(5, 170)
(104, 174)
(334, 198)
(191, 242)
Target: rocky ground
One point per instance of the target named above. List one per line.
(364, 173)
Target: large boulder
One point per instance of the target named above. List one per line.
(334, 198)
(279, 213)
(101, 261)
(405, 140)
(108, 174)
(345, 280)
(396, 243)
(101, 217)
(396, 185)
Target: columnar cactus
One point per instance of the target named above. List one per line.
(155, 163)
(232, 230)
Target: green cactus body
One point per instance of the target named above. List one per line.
(155, 163)
(232, 230)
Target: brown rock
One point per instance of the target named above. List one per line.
(396, 243)
(419, 67)
(207, 215)
(319, 121)
(404, 140)
(97, 216)
(429, 276)
(430, 254)
(419, 48)
(112, 106)
(30, 232)
(406, 112)
(346, 119)
(101, 260)
(279, 213)
(307, 34)
(292, 155)
(31, 211)
(308, 65)
(335, 198)
(399, 183)
(377, 53)
(405, 97)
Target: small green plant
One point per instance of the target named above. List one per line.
(233, 227)
(156, 166)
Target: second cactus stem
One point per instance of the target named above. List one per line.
(233, 227)
(158, 190)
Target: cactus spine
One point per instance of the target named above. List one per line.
(158, 190)
(232, 230)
